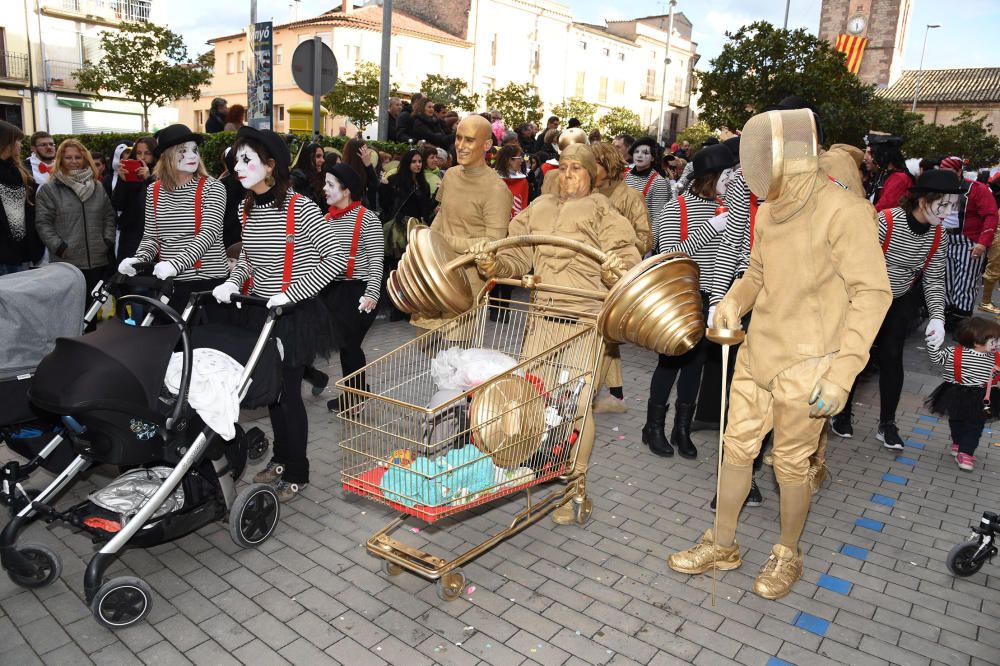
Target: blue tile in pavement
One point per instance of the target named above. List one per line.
(834, 584)
(894, 478)
(883, 500)
(905, 461)
(854, 551)
(774, 661)
(811, 623)
(869, 524)
(915, 445)
(929, 419)
(922, 431)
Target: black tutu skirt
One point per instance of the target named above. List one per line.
(305, 332)
(963, 403)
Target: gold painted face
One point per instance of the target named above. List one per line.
(574, 180)
(472, 140)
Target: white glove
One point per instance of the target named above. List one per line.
(711, 316)
(225, 291)
(127, 266)
(934, 333)
(164, 271)
(278, 300)
(719, 222)
(366, 304)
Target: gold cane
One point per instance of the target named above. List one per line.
(727, 337)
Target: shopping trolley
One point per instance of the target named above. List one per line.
(505, 436)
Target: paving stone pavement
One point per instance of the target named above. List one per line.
(875, 588)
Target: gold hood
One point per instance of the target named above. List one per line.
(779, 157)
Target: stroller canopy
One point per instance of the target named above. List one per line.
(36, 307)
(117, 367)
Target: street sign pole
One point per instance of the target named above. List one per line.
(383, 82)
(317, 85)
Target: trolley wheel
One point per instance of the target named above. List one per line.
(122, 602)
(254, 515)
(961, 562)
(451, 585)
(582, 510)
(390, 569)
(256, 443)
(46, 563)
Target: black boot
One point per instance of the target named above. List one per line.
(681, 434)
(653, 434)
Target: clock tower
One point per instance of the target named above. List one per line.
(883, 23)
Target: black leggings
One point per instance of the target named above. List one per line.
(688, 365)
(291, 426)
(966, 433)
(351, 327)
(889, 354)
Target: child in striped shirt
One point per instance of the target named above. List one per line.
(970, 372)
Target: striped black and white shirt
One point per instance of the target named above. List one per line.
(734, 244)
(702, 241)
(169, 234)
(317, 257)
(909, 247)
(656, 189)
(977, 367)
(371, 251)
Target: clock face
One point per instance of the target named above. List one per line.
(857, 24)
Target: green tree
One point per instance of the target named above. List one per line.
(517, 103)
(450, 91)
(695, 135)
(356, 95)
(147, 63)
(579, 108)
(620, 120)
(969, 136)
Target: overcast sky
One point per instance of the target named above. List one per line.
(966, 38)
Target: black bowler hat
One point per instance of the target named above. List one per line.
(348, 177)
(733, 144)
(943, 181)
(272, 141)
(716, 158)
(174, 135)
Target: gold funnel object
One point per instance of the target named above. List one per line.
(655, 305)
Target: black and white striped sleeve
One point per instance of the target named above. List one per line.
(934, 285)
(659, 195)
(241, 271)
(148, 245)
(697, 239)
(333, 257)
(735, 241)
(213, 208)
(668, 226)
(372, 243)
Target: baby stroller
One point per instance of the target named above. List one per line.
(106, 389)
(968, 557)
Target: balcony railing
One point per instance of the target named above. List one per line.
(13, 66)
(59, 74)
(106, 11)
(650, 93)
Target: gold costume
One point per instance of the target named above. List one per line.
(818, 288)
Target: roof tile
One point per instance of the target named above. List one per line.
(981, 84)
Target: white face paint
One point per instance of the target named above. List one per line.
(333, 191)
(188, 157)
(249, 169)
(643, 157)
(938, 211)
(722, 184)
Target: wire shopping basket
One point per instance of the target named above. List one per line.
(431, 453)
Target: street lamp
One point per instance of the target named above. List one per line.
(916, 87)
(666, 65)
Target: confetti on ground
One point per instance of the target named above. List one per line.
(620, 437)
(415, 530)
(470, 589)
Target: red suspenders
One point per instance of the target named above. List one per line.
(286, 271)
(649, 184)
(935, 244)
(753, 216)
(684, 217)
(197, 214)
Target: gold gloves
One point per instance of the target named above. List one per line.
(727, 314)
(612, 269)
(826, 399)
(486, 260)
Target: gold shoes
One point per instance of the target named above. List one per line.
(706, 555)
(609, 404)
(575, 511)
(779, 573)
(817, 475)
(989, 307)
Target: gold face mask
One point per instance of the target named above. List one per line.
(574, 180)
(775, 146)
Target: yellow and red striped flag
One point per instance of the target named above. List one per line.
(853, 47)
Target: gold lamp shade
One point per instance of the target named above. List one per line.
(426, 281)
(656, 305)
(508, 420)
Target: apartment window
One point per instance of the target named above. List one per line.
(438, 61)
(230, 63)
(353, 53)
(243, 62)
(199, 120)
(621, 56)
(277, 55)
(493, 49)
(655, 54)
(620, 88)
(279, 112)
(650, 88)
(581, 78)
(489, 83)
(399, 57)
(605, 52)
(602, 91)
(582, 45)
(536, 59)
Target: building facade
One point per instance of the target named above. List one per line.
(41, 44)
(884, 23)
(944, 93)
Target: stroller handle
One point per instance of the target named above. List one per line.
(243, 299)
(185, 343)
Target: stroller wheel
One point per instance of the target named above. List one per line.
(960, 560)
(121, 602)
(256, 443)
(254, 515)
(46, 563)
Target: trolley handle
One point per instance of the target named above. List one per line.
(538, 239)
